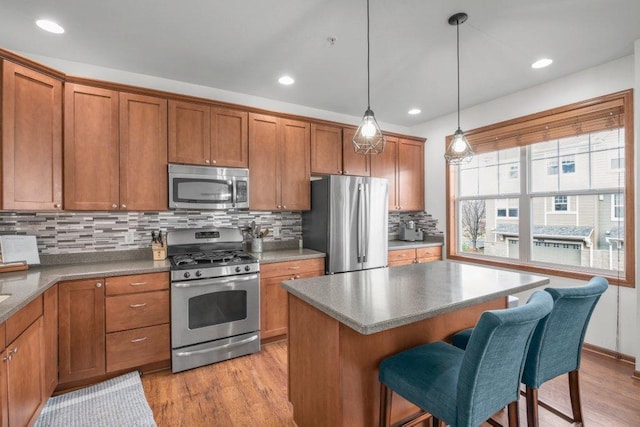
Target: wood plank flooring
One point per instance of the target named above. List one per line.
(252, 391)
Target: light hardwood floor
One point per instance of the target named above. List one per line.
(252, 391)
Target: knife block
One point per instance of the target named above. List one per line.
(159, 252)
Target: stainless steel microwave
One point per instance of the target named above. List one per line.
(207, 187)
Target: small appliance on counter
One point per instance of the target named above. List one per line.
(409, 232)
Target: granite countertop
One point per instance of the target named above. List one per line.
(375, 300)
(283, 255)
(25, 286)
(401, 244)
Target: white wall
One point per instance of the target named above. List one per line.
(601, 80)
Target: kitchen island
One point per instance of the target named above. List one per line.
(341, 326)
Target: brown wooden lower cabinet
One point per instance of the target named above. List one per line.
(273, 298)
(50, 313)
(137, 347)
(414, 255)
(22, 370)
(81, 335)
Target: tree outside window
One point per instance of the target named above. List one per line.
(473, 217)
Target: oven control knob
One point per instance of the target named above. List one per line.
(198, 273)
(247, 268)
(187, 274)
(238, 269)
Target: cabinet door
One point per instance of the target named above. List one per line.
(326, 149)
(229, 138)
(50, 320)
(353, 163)
(189, 133)
(81, 329)
(385, 166)
(264, 179)
(91, 177)
(143, 153)
(410, 175)
(274, 313)
(25, 375)
(294, 163)
(31, 139)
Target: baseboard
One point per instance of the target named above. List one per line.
(636, 375)
(601, 350)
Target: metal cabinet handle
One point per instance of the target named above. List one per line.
(295, 267)
(123, 206)
(346, 171)
(138, 339)
(284, 207)
(57, 206)
(207, 161)
(114, 206)
(278, 206)
(98, 285)
(142, 304)
(214, 162)
(137, 283)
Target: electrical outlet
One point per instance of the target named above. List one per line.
(129, 236)
(276, 231)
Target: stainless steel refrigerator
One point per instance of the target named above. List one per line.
(348, 221)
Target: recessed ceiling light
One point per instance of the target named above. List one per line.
(50, 26)
(541, 63)
(414, 111)
(286, 80)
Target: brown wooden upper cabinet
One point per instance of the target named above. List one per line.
(332, 152)
(115, 150)
(205, 135)
(279, 164)
(31, 139)
(402, 163)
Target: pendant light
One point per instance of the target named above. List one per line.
(459, 150)
(368, 138)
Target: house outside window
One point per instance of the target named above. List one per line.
(563, 182)
(560, 204)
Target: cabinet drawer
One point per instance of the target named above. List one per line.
(401, 255)
(20, 321)
(291, 267)
(137, 310)
(430, 252)
(137, 283)
(137, 347)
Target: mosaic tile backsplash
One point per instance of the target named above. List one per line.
(77, 232)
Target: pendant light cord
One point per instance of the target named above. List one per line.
(368, 59)
(458, 61)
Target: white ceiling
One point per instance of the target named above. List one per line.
(245, 45)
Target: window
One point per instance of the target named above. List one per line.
(568, 165)
(565, 171)
(617, 206)
(560, 204)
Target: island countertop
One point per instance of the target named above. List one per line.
(371, 301)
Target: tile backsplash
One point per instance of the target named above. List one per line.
(77, 232)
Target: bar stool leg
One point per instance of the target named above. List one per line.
(385, 405)
(514, 418)
(574, 392)
(532, 406)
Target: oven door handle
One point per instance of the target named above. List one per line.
(221, 347)
(213, 282)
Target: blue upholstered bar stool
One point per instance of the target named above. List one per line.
(556, 345)
(464, 388)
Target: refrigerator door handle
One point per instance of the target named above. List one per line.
(365, 216)
(359, 226)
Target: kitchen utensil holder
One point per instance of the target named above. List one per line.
(159, 252)
(256, 244)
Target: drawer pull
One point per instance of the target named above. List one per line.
(137, 284)
(142, 304)
(138, 339)
(296, 267)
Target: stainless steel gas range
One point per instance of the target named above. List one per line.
(215, 297)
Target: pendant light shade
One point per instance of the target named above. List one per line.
(458, 150)
(368, 138)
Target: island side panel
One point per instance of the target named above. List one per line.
(360, 356)
(314, 366)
